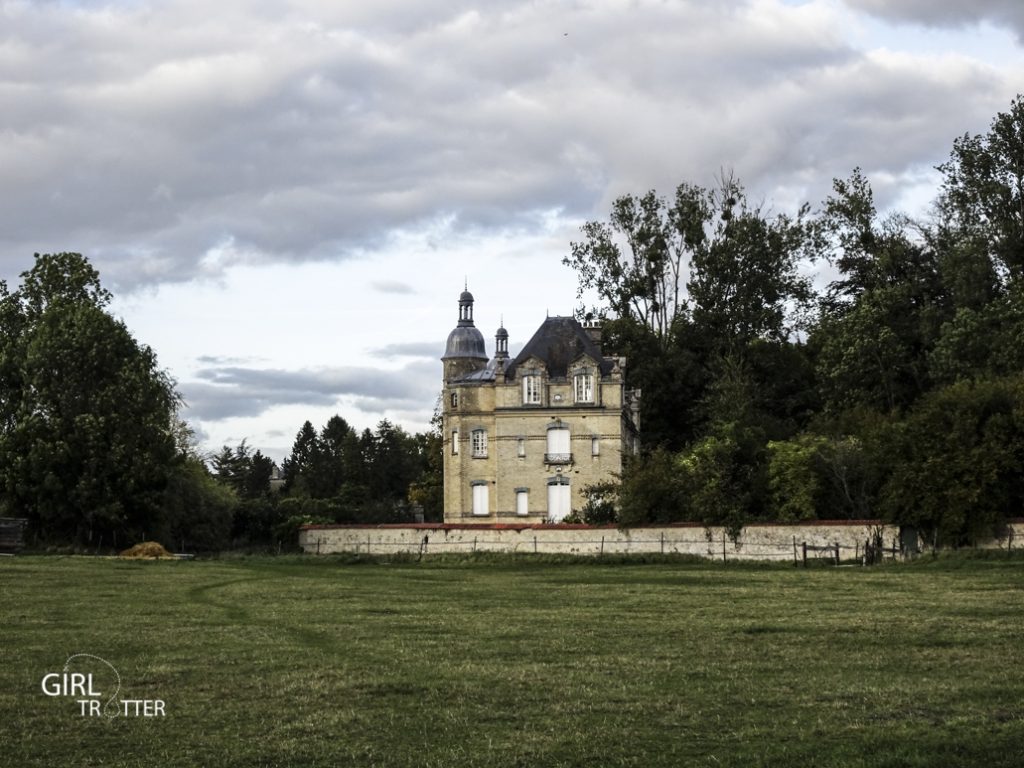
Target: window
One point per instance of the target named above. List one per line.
(522, 502)
(455, 442)
(455, 399)
(595, 446)
(531, 390)
(480, 498)
(559, 498)
(521, 447)
(479, 443)
(583, 384)
(558, 445)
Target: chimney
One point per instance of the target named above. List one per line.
(593, 328)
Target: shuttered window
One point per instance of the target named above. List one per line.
(480, 499)
(522, 502)
(559, 499)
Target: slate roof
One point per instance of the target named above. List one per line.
(558, 342)
(465, 341)
(484, 374)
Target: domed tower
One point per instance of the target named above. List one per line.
(501, 358)
(501, 343)
(465, 351)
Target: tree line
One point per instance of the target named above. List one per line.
(894, 391)
(334, 475)
(94, 452)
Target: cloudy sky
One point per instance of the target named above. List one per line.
(286, 196)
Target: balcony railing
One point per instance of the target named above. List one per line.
(558, 458)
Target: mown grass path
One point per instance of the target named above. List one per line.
(303, 662)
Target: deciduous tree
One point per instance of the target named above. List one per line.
(88, 433)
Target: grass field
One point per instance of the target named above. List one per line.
(517, 662)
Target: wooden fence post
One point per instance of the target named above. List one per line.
(805, 554)
(723, 545)
(602, 545)
(837, 553)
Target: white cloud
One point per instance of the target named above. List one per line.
(259, 181)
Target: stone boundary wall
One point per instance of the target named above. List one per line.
(757, 542)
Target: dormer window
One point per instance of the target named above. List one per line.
(583, 386)
(531, 389)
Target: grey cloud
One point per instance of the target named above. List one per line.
(426, 349)
(223, 360)
(392, 286)
(224, 392)
(145, 135)
(947, 13)
(209, 402)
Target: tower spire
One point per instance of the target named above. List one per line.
(466, 308)
(501, 342)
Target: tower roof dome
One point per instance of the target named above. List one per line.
(465, 340)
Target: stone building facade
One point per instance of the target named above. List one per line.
(523, 437)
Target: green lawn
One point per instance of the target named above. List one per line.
(501, 662)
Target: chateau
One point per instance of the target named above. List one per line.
(523, 437)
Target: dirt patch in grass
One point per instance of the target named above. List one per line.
(149, 550)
